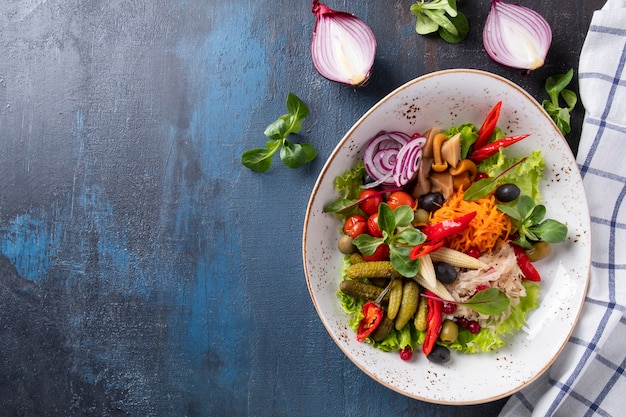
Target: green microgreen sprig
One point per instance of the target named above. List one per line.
(294, 155)
(398, 234)
(527, 218)
(441, 16)
(555, 86)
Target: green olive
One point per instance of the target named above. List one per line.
(449, 331)
(345, 244)
(420, 217)
(540, 250)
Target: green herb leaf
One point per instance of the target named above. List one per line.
(296, 107)
(410, 237)
(510, 211)
(339, 206)
(441, 16)
(537, 214)
(551, 231)
(525, 207)
(399, 257)
(480, 189)
(489, 301)
(527, 218)
(367, 244)
(398, 234)
(461, 26)
(425, 25)
(386, 219)
(485, 186)
(260, 159)
(292, 154)
(403, 215)
(277, 130)
(555, 87)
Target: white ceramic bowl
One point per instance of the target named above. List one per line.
(443, 99)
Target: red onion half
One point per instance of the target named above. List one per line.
(393, 158)
(343, 47)
(516, 36)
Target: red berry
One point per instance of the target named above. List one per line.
(473, 252)
(406, 354)
(473, 327)
(481, 287)
(481, 175)
(449, 308)
(462, 322)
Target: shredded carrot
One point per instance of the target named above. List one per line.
(489, 225)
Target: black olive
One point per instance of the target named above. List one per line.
(430, 201)
(507, 192)
(445, 272)
(367, 179)
(439, 354)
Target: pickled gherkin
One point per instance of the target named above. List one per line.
(420, 322)
(395, 298)
(383, 329)
(373, 269)
(362, 290)
(409, 304)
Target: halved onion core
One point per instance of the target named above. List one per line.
(393, 158)
(343, 46)
(516, 36)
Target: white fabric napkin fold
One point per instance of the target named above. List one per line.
(588, 379)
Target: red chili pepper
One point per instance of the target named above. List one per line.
(489, 126)
(492, 148)
(436, 233)
(372, 316)
(446, 228)
(434, 319)
(424, 249)
(527, 267)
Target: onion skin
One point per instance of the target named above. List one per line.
(516, 36)
(343, 47)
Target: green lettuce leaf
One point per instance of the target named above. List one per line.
(526, 175)
(349, 184)
(469, 135)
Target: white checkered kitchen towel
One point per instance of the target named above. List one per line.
(588, 377)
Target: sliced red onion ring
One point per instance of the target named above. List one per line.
(381, 154)
(516, 36)
(392, 158)
(408, 161)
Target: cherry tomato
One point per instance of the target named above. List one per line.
(400, 198)
(372, 200)
(380, 254)
(372, 226)
(355, 225)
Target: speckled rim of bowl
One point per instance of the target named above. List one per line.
(317, 185)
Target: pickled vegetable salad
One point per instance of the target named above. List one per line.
(400, 233)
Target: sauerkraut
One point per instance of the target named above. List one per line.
(503, 273)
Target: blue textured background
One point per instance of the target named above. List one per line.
(143, 270)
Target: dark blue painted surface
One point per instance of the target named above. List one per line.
(143, 271)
